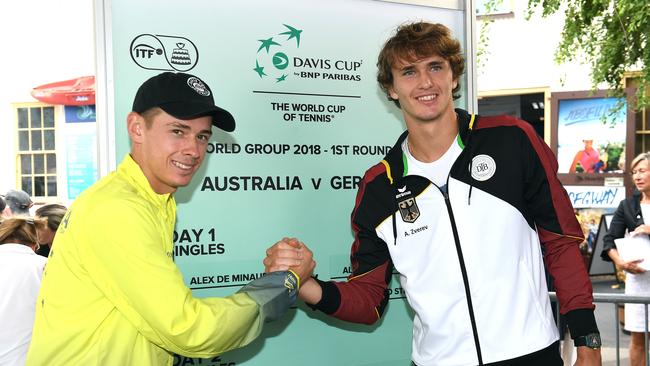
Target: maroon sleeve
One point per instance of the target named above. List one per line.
(559, 231)
(363, 298)
(565, 264)
(560, 235)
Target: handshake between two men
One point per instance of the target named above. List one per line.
(292, 254)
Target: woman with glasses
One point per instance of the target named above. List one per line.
(629, 217)
(21, 270)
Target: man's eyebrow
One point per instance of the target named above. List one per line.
(411, 64)
(186, 127)
(406, 67)
(178, 124)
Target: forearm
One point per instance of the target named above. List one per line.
(359, 300)
(613, 255)
(217, 325)
(581, 322)
(233, 322)
(631, 266)
(564, 263)
(571, 281)
(588, 357)
(617, 229)
(310, 291)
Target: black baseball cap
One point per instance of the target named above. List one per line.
(183, 96)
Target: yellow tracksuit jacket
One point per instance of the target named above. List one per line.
(111, 293)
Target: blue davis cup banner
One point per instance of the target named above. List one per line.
(299, 78)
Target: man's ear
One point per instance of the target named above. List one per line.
(392, 94)
(135, 124)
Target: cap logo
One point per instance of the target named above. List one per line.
(483, 167)
(198, 86)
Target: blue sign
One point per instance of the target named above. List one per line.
(595, 196)
(81, 157)
(80, 113)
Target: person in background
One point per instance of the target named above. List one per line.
(460, 207)
(591, 237)
(112, 294)
(586, 160)
(53, 214)
(18, 202)
(21, 271)
(629, 217)
(3, 205)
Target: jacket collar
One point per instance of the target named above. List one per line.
(395, 157)
(132, 172)
(636, 203)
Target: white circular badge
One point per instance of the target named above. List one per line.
(483, 167)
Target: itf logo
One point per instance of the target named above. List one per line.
(167, 53)
(272, 61)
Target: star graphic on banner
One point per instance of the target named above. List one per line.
(267, 43)
(259, 69)
(281, 78)
(292, 33)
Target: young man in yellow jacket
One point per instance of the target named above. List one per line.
(111, 294)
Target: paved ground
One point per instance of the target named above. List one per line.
(605, 316)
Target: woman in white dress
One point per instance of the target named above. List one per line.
(629, 217)
(21, 270)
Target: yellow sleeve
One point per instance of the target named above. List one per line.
(129, 264)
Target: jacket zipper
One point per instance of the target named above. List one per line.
(463, 271)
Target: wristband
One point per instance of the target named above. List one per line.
(293, 282)
(591, 340)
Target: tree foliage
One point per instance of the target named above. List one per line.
(482, 51)
(610, 35)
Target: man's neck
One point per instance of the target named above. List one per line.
(429, 141)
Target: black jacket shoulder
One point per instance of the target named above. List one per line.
(626, 218)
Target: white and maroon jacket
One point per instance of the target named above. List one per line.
(469, 253)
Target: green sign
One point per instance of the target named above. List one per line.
(299, 77)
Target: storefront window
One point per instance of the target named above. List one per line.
(36, 150)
